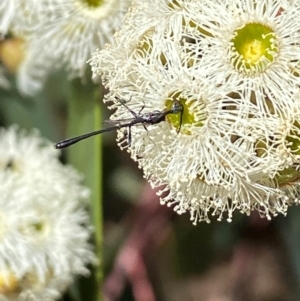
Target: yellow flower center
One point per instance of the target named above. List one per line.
(93, 3)
(188, 117)
(253, 48)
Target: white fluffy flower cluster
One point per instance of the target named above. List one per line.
(44, 227)
(59, 33)
(234, 68)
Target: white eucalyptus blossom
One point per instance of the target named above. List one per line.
(234, 69)
(65, 35)
(44, 226)
(254, 45)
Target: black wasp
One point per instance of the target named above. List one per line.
(151, 118)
